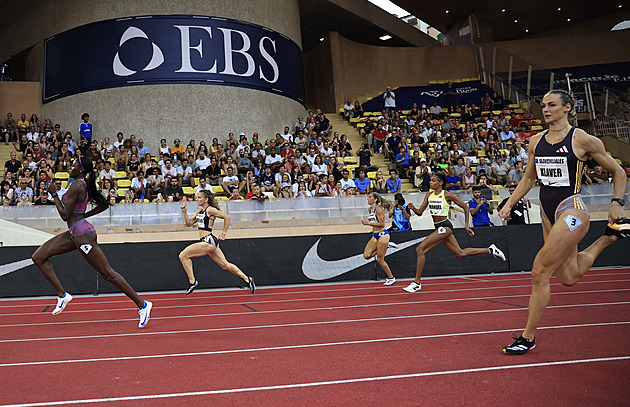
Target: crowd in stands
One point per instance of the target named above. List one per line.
(308, 159)
(482, 146)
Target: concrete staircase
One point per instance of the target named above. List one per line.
(5, 155)
(355, 139)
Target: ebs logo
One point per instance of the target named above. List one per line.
(156, 59)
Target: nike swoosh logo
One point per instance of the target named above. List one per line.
(11, 267)
(316, 268)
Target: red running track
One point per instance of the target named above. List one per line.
(324, 345)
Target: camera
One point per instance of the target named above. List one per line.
(400, 200)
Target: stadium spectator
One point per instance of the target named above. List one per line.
(185, 174)
(255, 193)
(486, 168)
(516, 174)
(393, 183)
(139, 185)
(378, 138)
(362, 183)
(389, 100)
(177, 151)
(85, 128)
(517, 213)
(168, 170)
(173, 191)
(142, 149)
(32, 135)
(500, 170)
(156, 183)
(468, 179)
(230, 182)
(203, 186)
(22, 125)
(273, 160)
(486, 102)
(507, 136)
(108, 173)
(402, 161)
(12, 165)
(10, 126)
(480, 207)
(435, 109)
(400, 215)
(23, 193)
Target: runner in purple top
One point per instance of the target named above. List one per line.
(81, 235)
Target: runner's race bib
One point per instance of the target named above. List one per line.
(553, 171)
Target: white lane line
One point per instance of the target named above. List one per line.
(322, 383)
(253, 303)
(339, 321)
(325, 308)
(371, 285)
(303, 346)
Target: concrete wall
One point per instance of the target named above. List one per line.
(20, 97)
(156, 111)
(363, 69)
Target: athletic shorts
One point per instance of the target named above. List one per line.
(444, 224)
(82, 227)
(210, 239)
(380, 234)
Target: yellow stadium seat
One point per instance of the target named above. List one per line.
(481, 153)
(121, 192)
(360, 125)
(405, 112)
(341, 110)
(221, 198)
(62, 175)
(513, 106)
(371, 175)
(222, 172)
(111, 160)
(496, 112)
(455, 114)
(486, 113)
(537, 128)
(64, 183)
(444, 110)
(350, 167)
(519, 111)
(121, 174)
(196, 181)
(217, 189)
(618, 161)
(355, 120)
(124, 183)
(189, 191)
(351, 160)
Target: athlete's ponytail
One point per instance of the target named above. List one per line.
(94, 194)
(566, 98)
(385, 203)
(442, 178)
(210, 197)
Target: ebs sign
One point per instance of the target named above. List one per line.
(171, 49)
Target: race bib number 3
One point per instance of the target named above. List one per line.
(553, 171)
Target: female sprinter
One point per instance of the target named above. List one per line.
(208, 244)
(81, 235)
(557, 158)
(380, 236)
(439, 203)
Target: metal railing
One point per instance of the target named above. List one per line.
(609, 126)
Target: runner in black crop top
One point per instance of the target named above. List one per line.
(556, 158)
(208, 244)
(559, 171)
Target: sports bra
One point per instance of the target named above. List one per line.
(79, 207)
(204, 222)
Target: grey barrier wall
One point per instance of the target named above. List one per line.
(286, 260)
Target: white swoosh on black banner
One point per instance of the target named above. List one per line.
(11, 267)
(316, 268)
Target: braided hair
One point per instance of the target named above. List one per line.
(94, 194)
(566, 98)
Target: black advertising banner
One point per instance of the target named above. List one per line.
(286, 260)
(172, 49)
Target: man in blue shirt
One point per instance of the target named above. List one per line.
(401, 215)
(402, 162)
(393, 183)
(479, 208)
(362, 183)
(85, 128)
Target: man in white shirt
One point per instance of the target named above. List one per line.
(436, 109)
(202, 162)
(390, 100)
(139, 185)
(286, 135)
(326, 152)
(273, 160)
(345, 181)
(310, 158)
(33, 135)
(202, 186)
(242, 146)
(184, 173)
(168, 171)
(108, 173)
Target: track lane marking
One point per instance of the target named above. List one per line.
(324, 308)
(373, 285)
(288, 347)
(322, 383)
(341, 321)
(397, 294)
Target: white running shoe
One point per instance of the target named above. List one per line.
(413, 287)
(145, 313)
(61, 303)
(392, 244)
(390, 281)
(496, 252)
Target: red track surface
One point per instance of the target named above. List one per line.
(325, 345)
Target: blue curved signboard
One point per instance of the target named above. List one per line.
(172, 49)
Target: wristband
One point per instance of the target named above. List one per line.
(54, 195)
